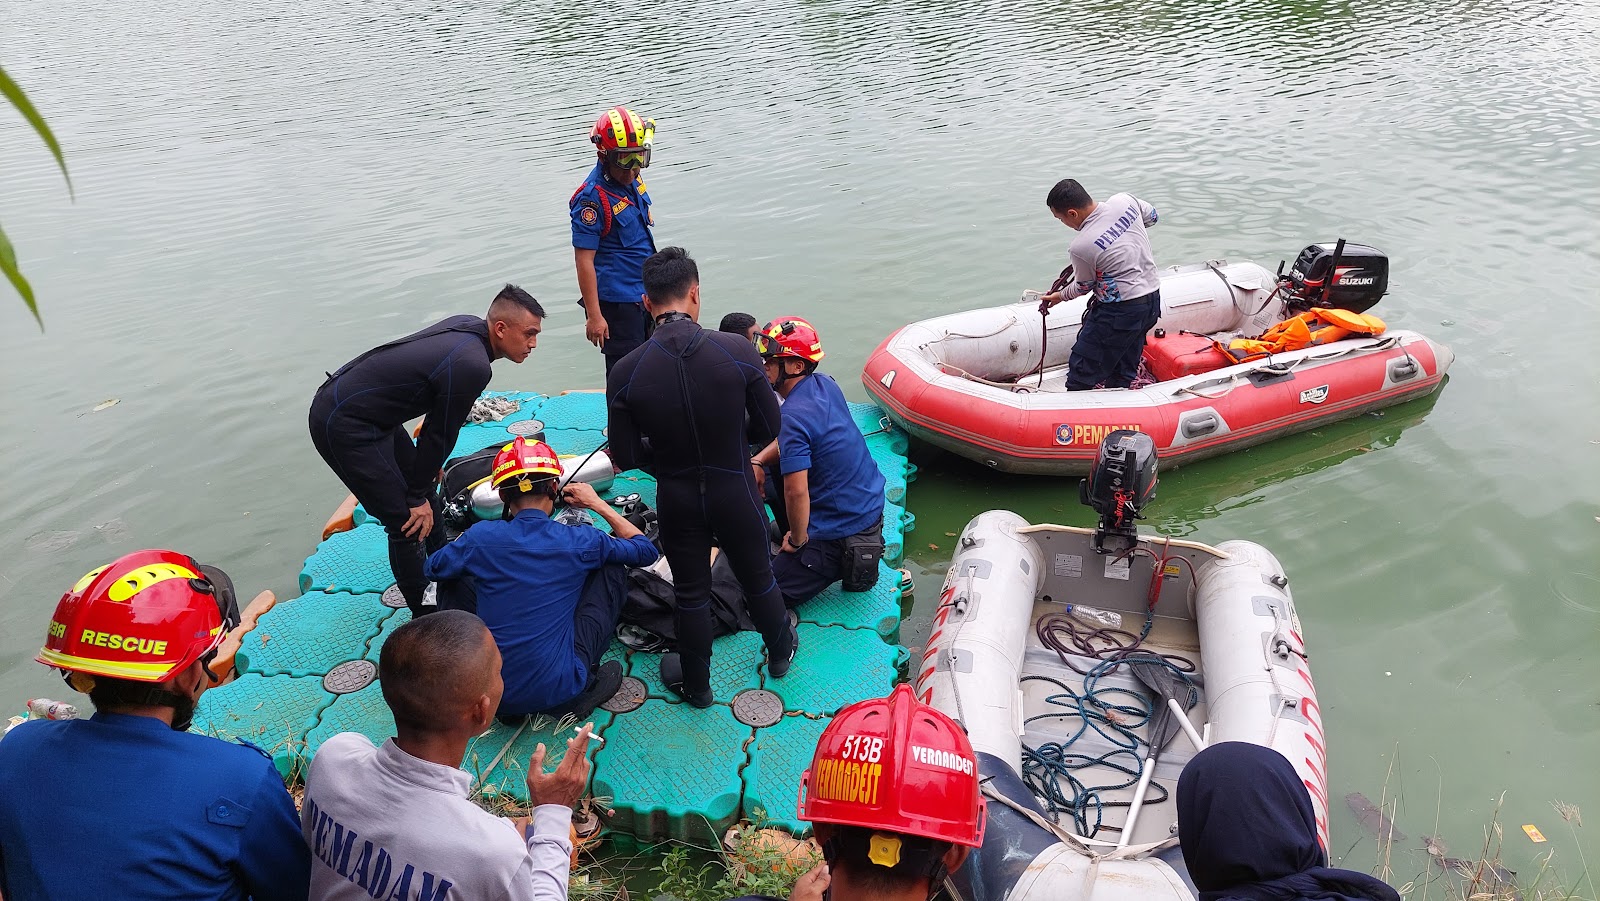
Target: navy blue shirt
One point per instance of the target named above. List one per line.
(529, 573)
(124, 807)
(614, 221)
(818, 435)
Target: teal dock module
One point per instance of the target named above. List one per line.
(665, 769)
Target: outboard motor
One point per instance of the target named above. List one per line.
(1122, 481)
(1359, 278)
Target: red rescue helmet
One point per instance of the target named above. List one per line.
(789, 336)
(531, 462)
(143, 617)
(898, 765)
(623, 137)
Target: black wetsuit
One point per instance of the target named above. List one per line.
(358, 422)
(677, 410)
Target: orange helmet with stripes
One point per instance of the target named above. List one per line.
(524, 462)
(789, 336)
(624, 138)
(144, 617)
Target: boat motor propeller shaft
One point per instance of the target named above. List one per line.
(1121, 482)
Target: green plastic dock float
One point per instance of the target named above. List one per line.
(665, 769)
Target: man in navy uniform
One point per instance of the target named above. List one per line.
(611, 236)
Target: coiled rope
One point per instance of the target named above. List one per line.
(1052, 770)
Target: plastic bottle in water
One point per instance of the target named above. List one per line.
(46, 709)
(1095, 617)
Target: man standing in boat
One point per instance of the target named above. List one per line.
(611, 236)
(678, 408)
(359, 414)
(831, 502)
(1112, 262)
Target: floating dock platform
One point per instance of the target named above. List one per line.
(666, 770)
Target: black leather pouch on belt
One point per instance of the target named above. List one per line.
(862, 551)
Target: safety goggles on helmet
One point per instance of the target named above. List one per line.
(789, 336)
(629, 158)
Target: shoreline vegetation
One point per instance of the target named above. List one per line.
(1483, 876)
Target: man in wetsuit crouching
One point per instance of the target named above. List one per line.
(677, 410)
(359, 414)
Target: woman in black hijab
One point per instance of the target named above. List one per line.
(1248, 832)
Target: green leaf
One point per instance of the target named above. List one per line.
(13, 92)
(8, 266)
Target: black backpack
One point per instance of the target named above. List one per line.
(649, 622)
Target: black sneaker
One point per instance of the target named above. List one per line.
(672, 677)
(605, 682)
(780, 668)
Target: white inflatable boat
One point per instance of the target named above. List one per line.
(1061, 725)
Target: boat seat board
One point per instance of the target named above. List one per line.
(667, 769)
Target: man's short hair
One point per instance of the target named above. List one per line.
(1068, 195)
(511, 297)
(736, 323)
(431, 667)
(669, 274)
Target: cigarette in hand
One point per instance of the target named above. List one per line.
(583, 731)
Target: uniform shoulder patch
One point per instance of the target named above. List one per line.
(588, 213)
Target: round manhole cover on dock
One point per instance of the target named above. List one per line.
(350, 676)
(757, 707)
(528, 428)
(393, 598)
(629, 696)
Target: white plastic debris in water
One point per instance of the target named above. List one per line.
(106, 404)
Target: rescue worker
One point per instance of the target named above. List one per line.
(1248, 830)
(359, 414)
(678, 410)
(611, 236)
(739, 324)
(397, 821)
(1112, 262)
(550, 593)
(127, 804)
(893, 797)
(832, 492)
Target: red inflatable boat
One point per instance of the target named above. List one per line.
(989, 384)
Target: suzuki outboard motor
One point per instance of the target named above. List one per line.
(1359, 278)
(1122, 481)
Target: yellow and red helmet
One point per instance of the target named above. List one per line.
(623, 137)
(143, 617)
(527, 463)
(789, 336)
(897, 765)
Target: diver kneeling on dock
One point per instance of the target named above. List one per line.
(397, 821)
(893, 795)
(128, 804)
(550, 593)
(830, 507)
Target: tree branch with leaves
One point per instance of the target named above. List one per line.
(8, 255)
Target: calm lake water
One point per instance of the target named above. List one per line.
(263, 191)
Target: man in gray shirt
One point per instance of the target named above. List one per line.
(395, 822)
(1112, 261)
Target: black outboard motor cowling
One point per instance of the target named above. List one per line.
(1360, 277)
(1122, 481)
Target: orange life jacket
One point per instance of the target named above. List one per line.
(1317, 326)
